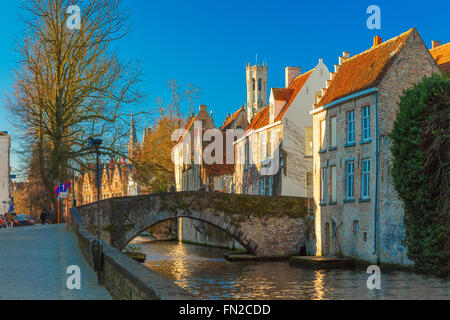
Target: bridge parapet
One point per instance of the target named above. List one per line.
(265, 226)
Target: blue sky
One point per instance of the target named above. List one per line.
(208, 43)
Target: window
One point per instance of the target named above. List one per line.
(309, 184)
(218, 183)
(365, 179)
(355, 228)
(254, 84)
(333, 185)
(308, 141)
(262, 186)
(263, 145)
(365, 236)
(270, 192)
(259, 85)
(247, 151)
(350, 127)
(366, 123)
(322, 134)
(323, 185)
(350, 179)
(333, 132)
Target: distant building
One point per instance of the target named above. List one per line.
(190, 169)
(441, 54)
(116, 177)
(5, 172)
(285, 125)
(256, 89)
(358, 212)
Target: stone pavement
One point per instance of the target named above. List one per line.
(33, 264)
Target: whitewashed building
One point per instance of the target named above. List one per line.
(5, 171)
(284, 125)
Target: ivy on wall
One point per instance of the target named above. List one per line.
(420, 171)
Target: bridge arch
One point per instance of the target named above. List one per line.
(264, 226)
(217, 221)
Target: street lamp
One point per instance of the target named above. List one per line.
(96, 143)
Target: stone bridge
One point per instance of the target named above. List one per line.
(264, 226)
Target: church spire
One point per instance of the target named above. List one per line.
(133, 144)
(133, 136)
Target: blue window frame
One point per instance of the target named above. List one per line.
(365, 179)
(270, 192)
(350, 127)
(323, 185)
(247, 155)
(262, 186)
(366, 123)
(350, 181)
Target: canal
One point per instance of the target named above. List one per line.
(204, 272)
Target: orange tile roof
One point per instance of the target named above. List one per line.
(260, 120)
(442, 56)
(364, 70)
(296, 85)
(231, 119)
(3, 134)
(282, 94)
(187, 127)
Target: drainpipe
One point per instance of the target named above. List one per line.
(377, 154)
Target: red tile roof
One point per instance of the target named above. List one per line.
(296, 85)
(282, 94)
(442, 56)
(187, 127)
(231, 119)
(364, 70)
(260, 120)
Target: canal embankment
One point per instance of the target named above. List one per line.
(124, 278)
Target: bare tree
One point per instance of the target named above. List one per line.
(69, 86)
(154, 167)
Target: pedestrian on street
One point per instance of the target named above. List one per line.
(43, 216)
(9, 220)
(50, 216)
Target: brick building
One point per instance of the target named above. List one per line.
(116, 177)
(358, 212)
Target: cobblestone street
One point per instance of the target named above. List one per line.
(33, 264)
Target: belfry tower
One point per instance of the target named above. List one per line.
(256, 89)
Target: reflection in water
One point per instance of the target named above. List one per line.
(204, 272)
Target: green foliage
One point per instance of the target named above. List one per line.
(132, 249)
(420, 151)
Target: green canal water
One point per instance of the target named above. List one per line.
(204, 272)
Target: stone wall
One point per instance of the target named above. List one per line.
(264, 226)
(202, 233)
(124, 278)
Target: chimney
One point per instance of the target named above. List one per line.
(291, 73)
(435, 44)
(377, 40)
(341, 60)
(336, 68)
(346, 54)
(328, 83)
(332, 75)
(203, 108)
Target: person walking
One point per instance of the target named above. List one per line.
(9, 220)
(49, 217)
(43, 216)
